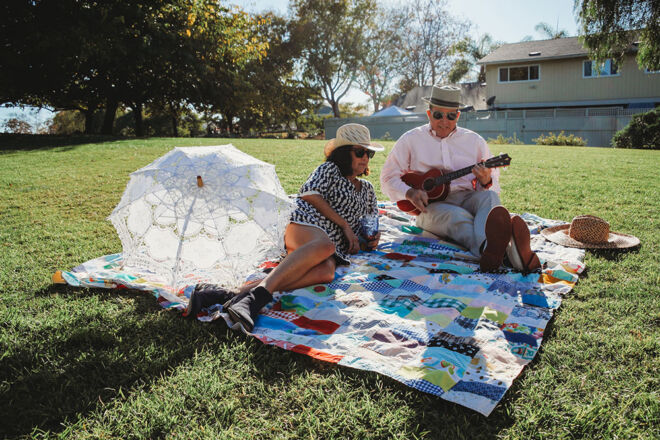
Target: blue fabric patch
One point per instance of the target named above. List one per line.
(492, 392)
(280, 324)
(378, 286)
(411, 286)
(425, 386)
(536, 300)
(521, 338)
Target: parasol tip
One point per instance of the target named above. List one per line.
(200, 182)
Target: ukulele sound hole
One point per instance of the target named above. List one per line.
(428, 185)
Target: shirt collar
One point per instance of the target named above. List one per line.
(433, 135)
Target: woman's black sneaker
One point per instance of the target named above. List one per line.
(245, 308)
(206, 295)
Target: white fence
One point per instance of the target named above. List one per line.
(595, 125)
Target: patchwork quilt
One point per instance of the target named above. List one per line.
(417, 309)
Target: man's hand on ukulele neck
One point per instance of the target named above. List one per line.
(482, 173)
(418, 197)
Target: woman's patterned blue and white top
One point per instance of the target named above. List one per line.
(343, 197)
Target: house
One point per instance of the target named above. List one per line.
(558, 73)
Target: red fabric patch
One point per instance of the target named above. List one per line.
(316, 354)
(321, 326)
(398, 256)
(268, 264)
(319, 289)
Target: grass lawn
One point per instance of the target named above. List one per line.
(79, 363)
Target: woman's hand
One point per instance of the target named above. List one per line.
(371, 244)
(353, 242)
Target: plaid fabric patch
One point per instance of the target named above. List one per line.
(339, 286)
(411, 286)
(280, 314)
(378, 286)
(438, 303)
(466, 323)
(393, 303)
(423, 385)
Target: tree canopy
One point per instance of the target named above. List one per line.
(611, 28)
(332, 37)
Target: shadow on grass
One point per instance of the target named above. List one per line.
(65, 372)
(68, 372)
(435, 416)
(27, 142)
(614, 254)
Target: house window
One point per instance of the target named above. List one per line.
(592, 69)
(520, 73)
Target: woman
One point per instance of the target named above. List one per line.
(323, 228)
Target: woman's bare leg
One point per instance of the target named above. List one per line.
(310, 249)
(322, 273)
(310, 261)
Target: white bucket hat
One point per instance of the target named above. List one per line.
(351, 134)
(444, 96)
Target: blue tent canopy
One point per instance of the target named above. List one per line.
(392, 111)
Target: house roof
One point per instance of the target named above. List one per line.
(569, 47)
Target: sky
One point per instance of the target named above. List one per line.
(508, 21)
(505, 20)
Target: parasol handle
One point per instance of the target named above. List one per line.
(200, 182)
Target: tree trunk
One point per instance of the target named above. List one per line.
(89, 119)
(175, 128)
(229, 119)
(109, 117)
(335, 108)
(174, 118)
(137, 114)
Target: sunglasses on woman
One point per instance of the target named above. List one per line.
(450, 115)
(360, 152)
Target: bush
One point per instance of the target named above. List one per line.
(560, 139)
(643, 131)
(501, 140)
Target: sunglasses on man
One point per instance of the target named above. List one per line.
(360, 152)
(450, 115)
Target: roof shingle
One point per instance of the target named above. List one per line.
(569, 47)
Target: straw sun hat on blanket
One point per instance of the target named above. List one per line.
(589, 232)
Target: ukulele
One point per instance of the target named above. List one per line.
(436, 183)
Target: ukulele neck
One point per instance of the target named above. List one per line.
(445, 178)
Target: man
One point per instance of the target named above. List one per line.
(471, 214)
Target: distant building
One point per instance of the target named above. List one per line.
(558, 73)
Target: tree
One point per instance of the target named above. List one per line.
(18, 126)
(428, 41)
(332, 37)
(84, 54)
(383, 54)
(471, 52)
(272, 95)
(547, 31)
(610, 28)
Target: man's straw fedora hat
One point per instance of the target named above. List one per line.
(444, 96)
(351, 134)
(589, 232)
